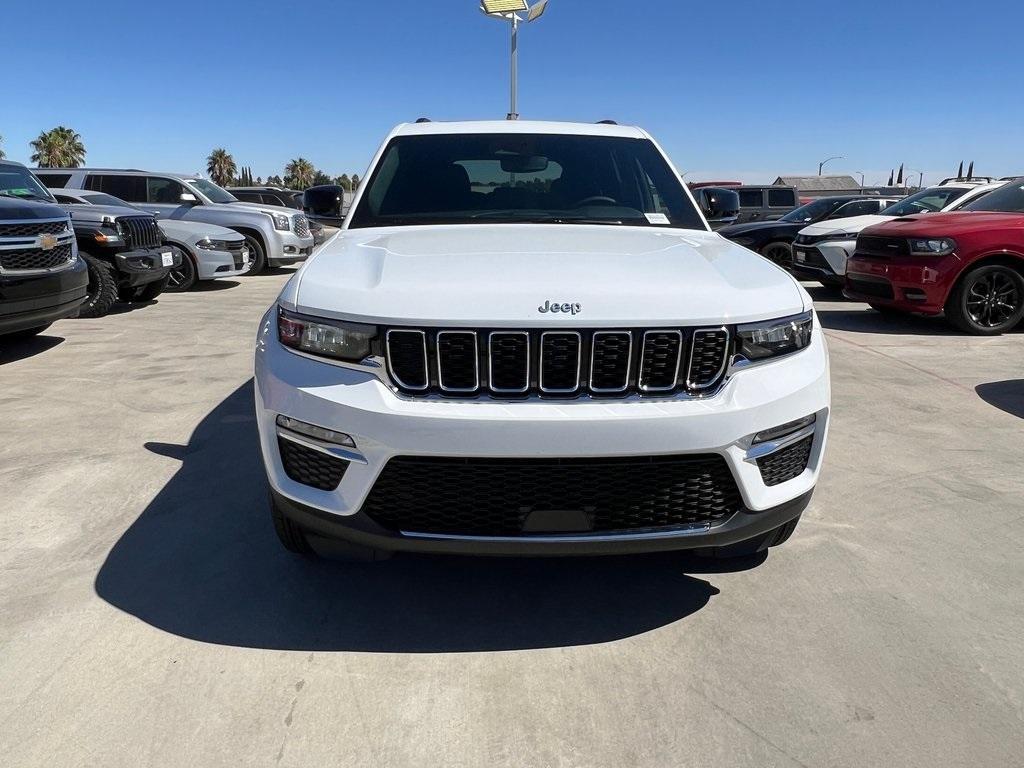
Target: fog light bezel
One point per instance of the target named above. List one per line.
(782, 431)
(314, 432)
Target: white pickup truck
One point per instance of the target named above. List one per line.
(526, 339)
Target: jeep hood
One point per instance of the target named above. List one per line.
(500, 274)
(86, 212)
(14, 209)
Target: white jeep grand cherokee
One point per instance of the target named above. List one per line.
(526, 339)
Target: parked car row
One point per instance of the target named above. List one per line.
(955, 249)
(75, 241)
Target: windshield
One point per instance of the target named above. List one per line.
(1008, 198)
(19, 182)
(537, 178)
(813, 211)
(212, 191)
(925, 201)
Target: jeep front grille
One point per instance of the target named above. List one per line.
(594, 362)
(139, 231)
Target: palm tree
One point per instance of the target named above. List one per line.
(221, 166)
(299, 173)
(58, 148)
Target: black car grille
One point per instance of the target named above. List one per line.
(494, 497)
(882, 247)
(877, 287)
(32, 229)
(35, 258)
(599, 363)
(139, 231)
(234, 247)
(787, 463)
(811, 258)
(309, 467)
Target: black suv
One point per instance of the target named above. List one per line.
(41, 277)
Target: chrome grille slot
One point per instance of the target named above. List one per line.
(140, 231)
(560, 361)
(458, 364)
(709, 353)
(610, 361)
(508, 361)
(659, 364)
(407, 358)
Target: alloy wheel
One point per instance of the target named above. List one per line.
(993, 299)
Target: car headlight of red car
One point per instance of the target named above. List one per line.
(942, 246)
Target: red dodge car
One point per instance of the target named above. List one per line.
(968, 265)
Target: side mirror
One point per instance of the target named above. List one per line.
(188, 198)
(324, 200)
(718, 203)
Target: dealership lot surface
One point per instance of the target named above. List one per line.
(148, 616)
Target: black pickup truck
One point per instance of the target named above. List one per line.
(42, 279)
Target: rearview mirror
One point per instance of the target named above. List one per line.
(188, 197)
(524, 164)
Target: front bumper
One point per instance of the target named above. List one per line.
(289, 248)
(385, 425)
(28, 301)
(915, 284)
(825, 262)
(145, 265)
(214, 264)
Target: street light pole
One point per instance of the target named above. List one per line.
(822, 163)
(508, 10)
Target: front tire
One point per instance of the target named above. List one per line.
(778, 253)
(183, 278)
(101, 294)
(987, 301)
(257, 256)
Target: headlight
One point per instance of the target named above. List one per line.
(329, 338)
(773, 338)
(838, 236)
(281, 221)
(206, 244)
(941, 247)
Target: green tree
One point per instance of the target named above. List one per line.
(299, 173)
(344, 182)
(355, 180)
(58, 148)
(221, 166)
(274, 181)
(321, 178)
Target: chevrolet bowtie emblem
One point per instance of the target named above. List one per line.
(47, 242)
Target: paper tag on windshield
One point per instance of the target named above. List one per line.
(657, 218)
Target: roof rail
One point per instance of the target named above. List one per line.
(606, 122)
(424, 120)
(967, 180)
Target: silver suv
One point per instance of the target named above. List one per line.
(275, 235)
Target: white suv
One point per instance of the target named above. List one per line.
(526, 339)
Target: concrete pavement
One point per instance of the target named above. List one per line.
(148, 616)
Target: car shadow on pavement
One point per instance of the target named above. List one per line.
(202, 562)
(210, 286)
(1006, 395)
(867, 320)
(21, 349)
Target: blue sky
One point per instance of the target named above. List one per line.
(746, 89)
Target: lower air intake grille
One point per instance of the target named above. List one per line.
(494, 497)
(786, 464)
(877, 287)
(309, 467)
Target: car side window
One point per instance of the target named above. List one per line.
(65, 199)
(856, 208)
(751, 198)
(54, 180)
(163, 190)
(128, 188)
(781, 198)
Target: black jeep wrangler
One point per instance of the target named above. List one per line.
(41, 277)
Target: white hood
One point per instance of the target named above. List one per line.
(851, 224)
(501, 274)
